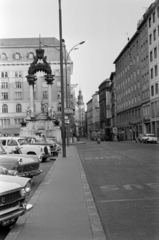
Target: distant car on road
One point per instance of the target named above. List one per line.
(149, 138)
(13, 194)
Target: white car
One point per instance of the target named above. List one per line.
(10, 143)
(149, 138)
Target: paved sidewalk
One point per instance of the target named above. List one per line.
(63, 206)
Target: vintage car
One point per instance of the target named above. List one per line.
(149, 138)
(5, 171)
(35, 140)
(24, 165)
(10, 143)
(13, 194)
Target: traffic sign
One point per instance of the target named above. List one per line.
(68, 111)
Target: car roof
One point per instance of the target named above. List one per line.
(11, 137)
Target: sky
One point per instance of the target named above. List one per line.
(104, 25)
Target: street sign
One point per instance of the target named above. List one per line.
(68, 111)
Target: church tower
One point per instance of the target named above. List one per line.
(81, 114)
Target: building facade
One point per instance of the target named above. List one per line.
(16, 55)
(105, 109)
(89, 118)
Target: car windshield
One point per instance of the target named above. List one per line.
(22, 141)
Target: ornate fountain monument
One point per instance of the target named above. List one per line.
(44, 120)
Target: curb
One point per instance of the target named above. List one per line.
(14, 232)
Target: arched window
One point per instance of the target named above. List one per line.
(4, 108)
(18, 108)
(3, 56)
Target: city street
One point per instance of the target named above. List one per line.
(124, 180)
(36, 182)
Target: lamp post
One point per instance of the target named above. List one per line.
(62, 87)
(65, 59)
(68, 92)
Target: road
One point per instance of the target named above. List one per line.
(36, 182)
(124, 180)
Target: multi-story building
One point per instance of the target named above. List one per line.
(16, 55)
(89, 117)
(95, 111)
(105, 109)
(152, 17)
(113, 105)
(128, 88)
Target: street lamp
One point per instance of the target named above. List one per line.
(65, 59)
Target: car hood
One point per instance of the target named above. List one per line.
(9, 158)
(9, 183)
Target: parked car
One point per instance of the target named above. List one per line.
(20, 164)
(25, 166)
(13, 195)
(10, 143)
(149, 138)
(35, 140)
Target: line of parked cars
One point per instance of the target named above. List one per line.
(20, 161)
(147, 138)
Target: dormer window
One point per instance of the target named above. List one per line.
(3, 56)
(17, 56)
(30, 55)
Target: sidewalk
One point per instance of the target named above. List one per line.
(63, 206)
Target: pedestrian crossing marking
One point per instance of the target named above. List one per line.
(105, 157)
(91, 149)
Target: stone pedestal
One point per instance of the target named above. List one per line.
(41, 125)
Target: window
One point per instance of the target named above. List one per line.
(4, 84)
(4, 96)
(151, 73)
(154, 35)
(154, 15)
(150, 39)
(156, 88)
(18, 108)
(59, 107)
(4, 122)
(16, 56)
(157, 11)
(4, 74)
(18, 74)
(4, 108)
(45, 95)
(156, 71)
(18, 85)
(30, 55)
(3, 56)
(152, 90)
(151, 57)
(155, 52)
(18, 95)
(58, 84)
(17, 121)
(59, 95)
(149, 22)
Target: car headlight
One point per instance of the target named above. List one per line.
(26, 190)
